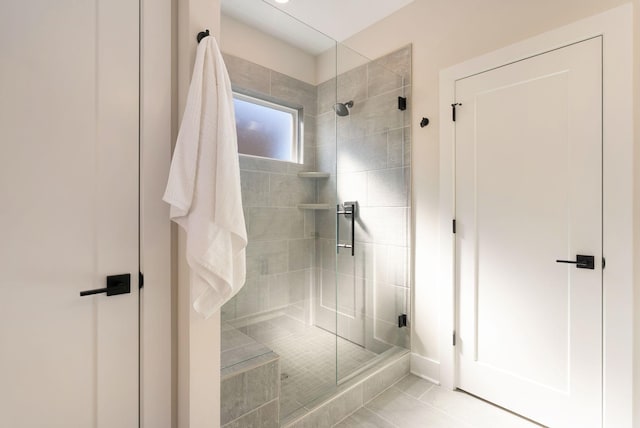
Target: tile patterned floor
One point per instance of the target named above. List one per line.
(307, 359)
(415, 403)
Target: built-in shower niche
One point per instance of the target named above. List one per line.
(319, 316)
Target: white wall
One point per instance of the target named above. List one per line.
(445, 33)
(156, 408)
(636, 215)
(245, 42)
(198, 340)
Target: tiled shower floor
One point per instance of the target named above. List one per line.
(307, 358)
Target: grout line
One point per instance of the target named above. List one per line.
(382, 417)
(425, 393)
(252, 411)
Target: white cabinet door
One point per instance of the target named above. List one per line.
(68, 212)
(528, 193)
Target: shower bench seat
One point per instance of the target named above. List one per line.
(250, 381)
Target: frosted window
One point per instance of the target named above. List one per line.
(266, 129)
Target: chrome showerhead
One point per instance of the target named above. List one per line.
(343, 109)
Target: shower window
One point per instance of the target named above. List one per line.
(268, 129)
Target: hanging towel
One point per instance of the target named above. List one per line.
(204, 185)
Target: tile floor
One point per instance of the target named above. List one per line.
(415, 403)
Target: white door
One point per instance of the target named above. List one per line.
(528, 193)
(68, 213)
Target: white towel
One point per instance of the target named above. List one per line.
(204, 185)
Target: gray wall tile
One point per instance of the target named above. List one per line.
(252, 163)
(326, 96)
(399, 148)
(267, 223)
(301, 254)
(254, 187)
(294, 92)
(279, 291)
(398, 62)
(380, 79)
(388, 187)
(352, 85)
(290, 190)
(326, 128)
(353, 187)
(383, 225)
(363, 153)
(267, 257)
(247, 75)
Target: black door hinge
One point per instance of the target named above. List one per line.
(402, 320)
(453, 110)
(604, 263)
(454, 225)
(454, 338)
(140, 280)
(402, 103)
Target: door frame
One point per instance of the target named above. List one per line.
(157, 362)
(616, 28)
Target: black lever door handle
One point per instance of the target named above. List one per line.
(581, 262)
(116, 284)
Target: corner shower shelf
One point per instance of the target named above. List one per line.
(314, 206)
(313, 174)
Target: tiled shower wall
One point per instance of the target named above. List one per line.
(291, 252)
(281, 246)
(373, 168)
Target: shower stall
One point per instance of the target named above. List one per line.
(328, 260)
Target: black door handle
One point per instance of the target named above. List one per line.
(581, 262)
(116, 284)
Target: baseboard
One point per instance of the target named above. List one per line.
(425, 368)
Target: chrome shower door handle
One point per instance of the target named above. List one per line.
(349, 210)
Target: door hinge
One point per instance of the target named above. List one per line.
(402, 320)
(140, 280)
(604, 263)
(454, 225)
(453, 110)
(402, 103)
(454, 338)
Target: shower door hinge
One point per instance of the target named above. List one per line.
(402, 320)
(454, 338)
(453, 110)
(140, 280)
(402, 103)
(454, 225)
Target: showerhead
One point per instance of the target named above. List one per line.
(343, 109)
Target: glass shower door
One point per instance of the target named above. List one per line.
(363, 288)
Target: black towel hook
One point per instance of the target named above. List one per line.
(202, 34)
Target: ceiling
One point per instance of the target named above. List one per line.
(311, 24)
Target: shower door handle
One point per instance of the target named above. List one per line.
(348, 210)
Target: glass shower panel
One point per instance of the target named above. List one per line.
(272, 319)
(328, 252)
(372, 207)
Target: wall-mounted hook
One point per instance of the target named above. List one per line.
(201, 35)
(424, 122)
